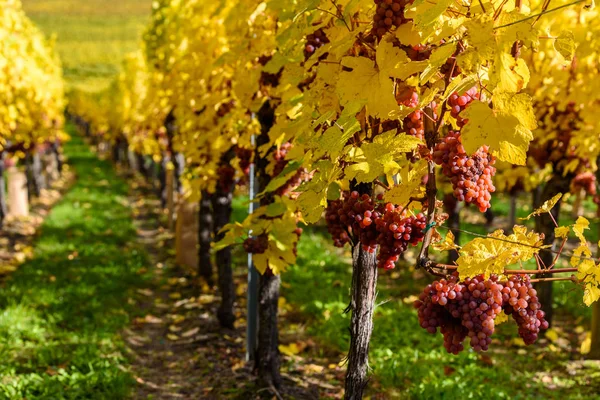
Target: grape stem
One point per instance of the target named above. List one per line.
(383, 185)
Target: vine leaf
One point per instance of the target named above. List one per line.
(411, 183)
(365, 82)
(565, 45)
(545, 208)
(446, 244)
(492, 254)
(506, 128)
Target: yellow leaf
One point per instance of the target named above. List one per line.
(492, 254)
(364, 82)
(289, 350)
(561, 232)
(407, 35)
(500, 318)
(428, 12)
(411, 177)
(565, 45)
(447, 243)
(510, 75)
(581, 225)
(312, 205)
(586, 345)
(546, 207)
(552, 334)
(506, 131)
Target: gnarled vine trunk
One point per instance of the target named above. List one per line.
(364, 286)
(221, 203)
(267, 355)
(205, 229)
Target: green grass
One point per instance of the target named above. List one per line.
(93, 36)
(61, 312)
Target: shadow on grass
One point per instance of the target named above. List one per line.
(60, 313)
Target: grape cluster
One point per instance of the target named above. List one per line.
(469, 308)
(396, 232)
(314, 41)
(256, 245)
(419, 52)
(471, 176)
(451, 68)
(585, 181)
(458, 103)
(388, 14)
(408, 97)
(226, 174)
(280, 163)
(414, 123)
(521, 301)
(335, 226)
(375, 224)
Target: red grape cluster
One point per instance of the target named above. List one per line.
(396, 232)
(520, 300)
(419, 52)
(388, 14)
(314, 41)
(335, 226)
(469, 308)
(280, 163)
(458, 103)
(585, 181)
(226, 174)
(408, 97)
(256, 245)
(374, 223)
(471, 176)
(414, 124)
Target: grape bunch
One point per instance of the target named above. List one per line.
(458, 103)
(471, 176)
(414, 124)
(256, 245)
(396, 232)
(360, 211)
(226, 174)
(419, 52)
(375, 224)
(388, 14)
(521, 301)
(336, 228)
(469, 308)
(451, 68)
(408, 97)
(460, 310)
(314, 41)
(280, 163)
(585, 181)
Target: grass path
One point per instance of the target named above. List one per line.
(61, 312)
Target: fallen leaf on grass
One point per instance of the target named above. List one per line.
(191, 332)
